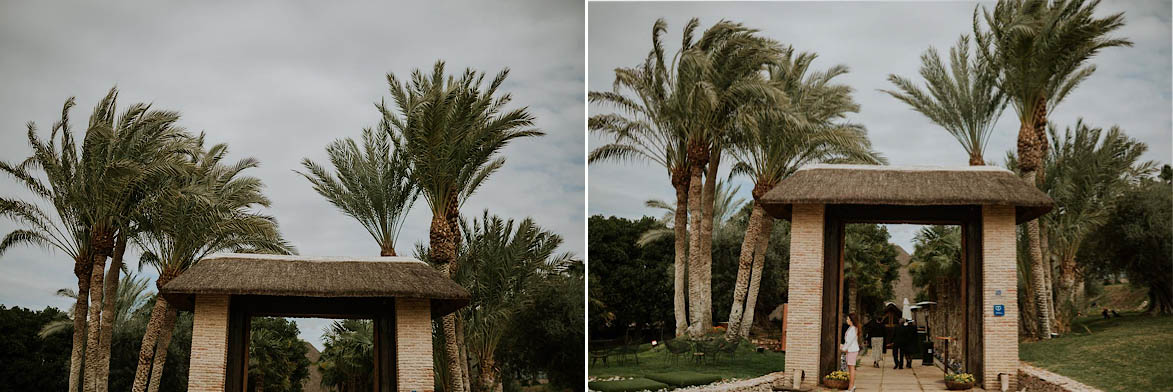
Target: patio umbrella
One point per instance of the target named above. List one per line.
(907, 312)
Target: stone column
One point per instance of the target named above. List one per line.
(805, 307)
(999, 287)
(209, 344)
(413, 340)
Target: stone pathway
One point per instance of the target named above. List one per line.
(884, 378)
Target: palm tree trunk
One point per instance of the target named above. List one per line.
(697, 325)
(113, 275)
(680, 227)
(442, 248)
(465, 366)
(1038, 273)
(852, 297)
(488, 375)
(708, 199)
(81, 268)
(744, 270)
(755, 279)
(161, 350)
(94, 332)
(146, 353)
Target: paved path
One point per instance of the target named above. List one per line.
(884, 378)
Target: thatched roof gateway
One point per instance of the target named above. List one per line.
(907, 186)
(315, 277)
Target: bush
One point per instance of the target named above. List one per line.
(630, 385)
(684, 378)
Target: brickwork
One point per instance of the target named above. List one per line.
(209, 344)
(999, 287)
(413, 339)
(805, 306)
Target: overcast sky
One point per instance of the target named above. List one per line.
(278, 81)
(1131, 88)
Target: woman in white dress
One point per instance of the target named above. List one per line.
(850, 346)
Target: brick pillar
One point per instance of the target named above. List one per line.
(805, 307)
(413, 340)
(209, 344)
(999, 287)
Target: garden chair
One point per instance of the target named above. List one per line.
(707, 350)
(729, 348)
(632, 349)
(676, 347)
(600, 354)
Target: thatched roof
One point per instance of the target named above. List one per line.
(320, 277)
(907, 186)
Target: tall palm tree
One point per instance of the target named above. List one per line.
(725, 206)
(808, 126)
(449, 131)
(1040, 49)
(1088, 171)
(502, 264)
(131, 295)
(643, 128)
(209, 208)
(369, 184)
(721, 75)
(63, 230)
(964, 99)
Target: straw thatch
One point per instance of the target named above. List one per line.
(321, 277)
(907, 186)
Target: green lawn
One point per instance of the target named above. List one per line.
(652, 361)
(1129, 353)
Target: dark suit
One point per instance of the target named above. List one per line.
(903, 344)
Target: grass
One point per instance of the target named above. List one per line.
(1129, 353)
(653, 362)
(684, 378)
(630, 385)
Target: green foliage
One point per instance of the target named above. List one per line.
(630, 283)
(870, 264)
(276, 357)
(369, 184)
(726, 252)
(937, 255)
(963, 99)
(746, 363)
(547, 333)
(629, 385)
(683, 378)
(449, 130)
(347, 362)
(1135, 240)
(32, 362)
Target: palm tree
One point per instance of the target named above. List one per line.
(1040, 48)
(725, 206)
(347, 363)
(963, 99)
(64, 230)
(372, 185)
(207, 209)
(807, 127)
(719, 77)
(1087, 170)
(449, 131)
(935, 266)
(501, 265)
(644, 128)
(131, 295)
(96, 189)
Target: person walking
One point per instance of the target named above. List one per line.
(909, 330)
(850, 346)
(898, 344)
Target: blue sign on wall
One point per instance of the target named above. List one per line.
(999, 310)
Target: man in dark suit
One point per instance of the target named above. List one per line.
(909, 331)
(899, 344)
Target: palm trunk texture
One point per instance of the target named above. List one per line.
(697, 324)
(161, 350)
(708, 198)
(146, 353)
(755, 279)
(680, 267)
(113, 275)
(744, 270)
(94, 332)
(81, 269)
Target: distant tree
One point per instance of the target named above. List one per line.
(634, 282)
(546, 334)
(870, 267)
(32, 362)
(276, 357)
(347, 362)
(1135, 240)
